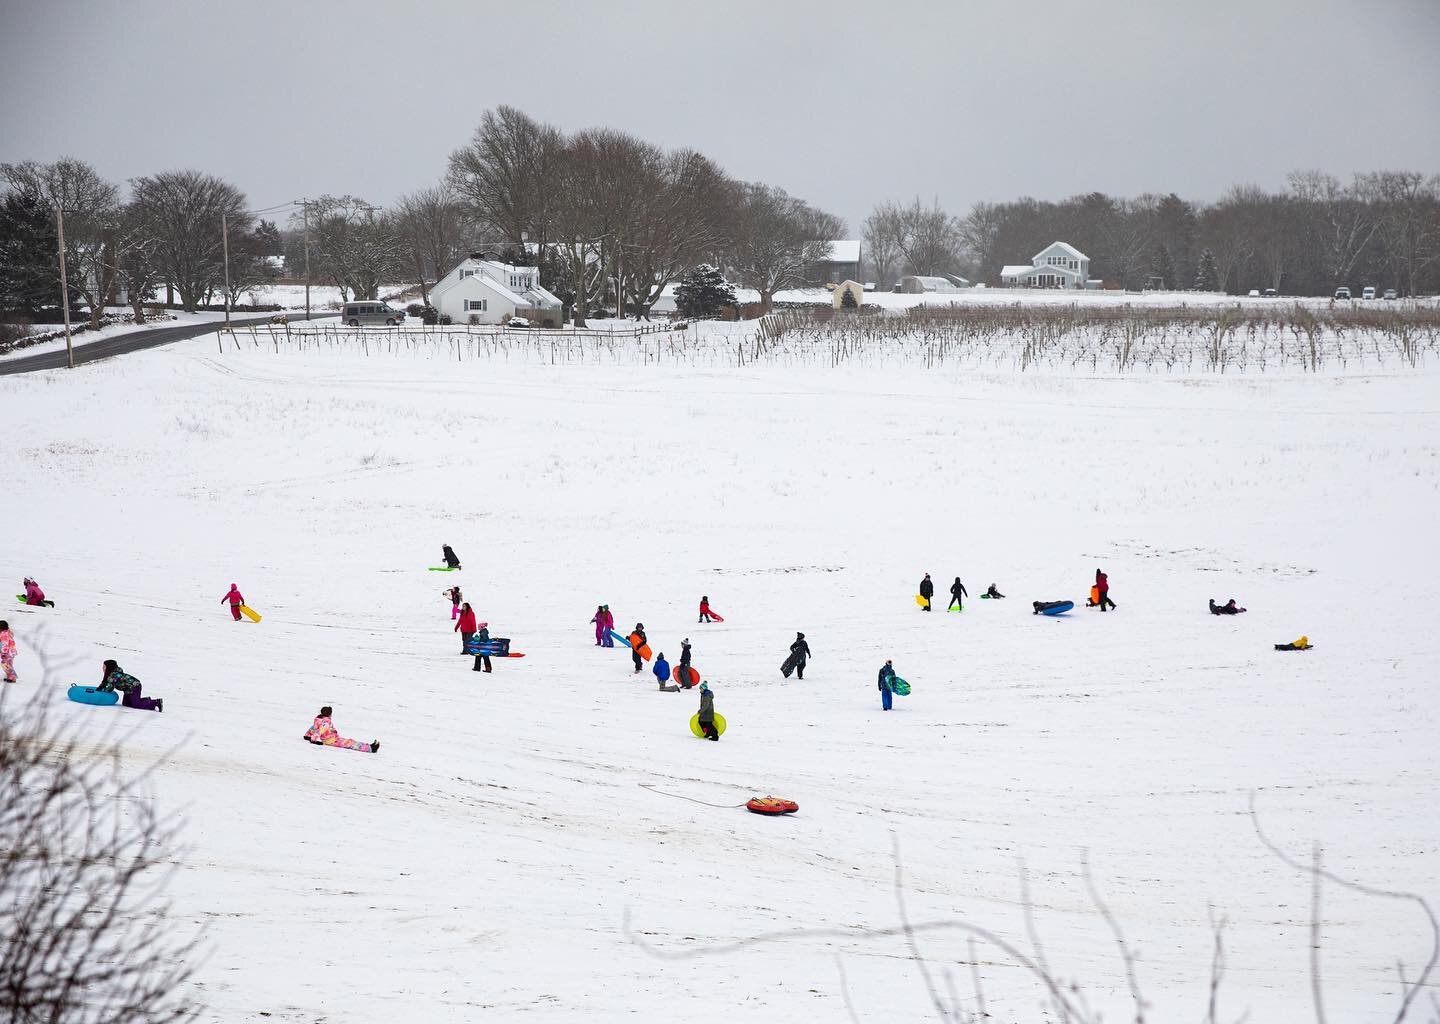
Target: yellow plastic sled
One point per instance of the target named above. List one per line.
(695, 724)
(249, 613)
(922, 601)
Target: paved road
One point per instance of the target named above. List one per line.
(86, 352)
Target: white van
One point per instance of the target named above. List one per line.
(366, 314)
(1368, 293)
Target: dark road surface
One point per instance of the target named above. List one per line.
(87, 352)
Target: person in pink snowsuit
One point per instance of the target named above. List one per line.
(33, 594)
(236, 599)
(599, 621)
(606, 640)
(7, 652)
(322, 733)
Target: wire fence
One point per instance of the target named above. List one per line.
(1123, 339)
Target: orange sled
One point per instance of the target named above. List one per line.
(771, 805)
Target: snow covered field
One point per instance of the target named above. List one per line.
(482, 865)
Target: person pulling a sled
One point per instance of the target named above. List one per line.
(887, 675)
(113, 679)
(1102, 587)
(927, 591)
(707, 713)
(957, 592)
(235, 598)
(705, 610)
(322, 733)
(608, 625)
(799, 655)
(448, 553)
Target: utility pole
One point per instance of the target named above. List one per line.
(305, 206)
(64, 287)
(225, 241)
(619, 280)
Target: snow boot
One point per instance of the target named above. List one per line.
(374, 746)
(160, 704)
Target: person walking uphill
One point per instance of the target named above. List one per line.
(448, 553)
(455, 597)
(236, 599)
(7, 652)
(606, 626)
(114, 679)
(799, 655)
(637, 641)
(958, 591)
(322, 733)
(599, 621)
(887, 675)
(1102, 584)
(465, 627)
(707, 713)
(927, 591)
(705, 610)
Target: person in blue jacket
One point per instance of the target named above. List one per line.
(887, 673)
(662, 674)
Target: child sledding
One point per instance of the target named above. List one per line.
(322, 733)
(1303, 644)
(1228, 608)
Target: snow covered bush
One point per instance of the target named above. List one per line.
(703, 293)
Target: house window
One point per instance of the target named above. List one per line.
(476, 305)
(466, 273)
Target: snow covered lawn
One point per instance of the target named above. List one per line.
(483, 864)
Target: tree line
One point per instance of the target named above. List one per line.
(612, 220)
(1319, 233)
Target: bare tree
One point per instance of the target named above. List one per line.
(85, 931)
(354, 246)
(929, 240)
(776, 238)
(1337, 222)
(507, 175)
(1409, 222)
(978, 232)
(182, 212)
(436, 233)
(92, 214)
(882, 235)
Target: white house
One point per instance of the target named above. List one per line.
(1058, 265)
(484, 291)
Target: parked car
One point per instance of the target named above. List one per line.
(1391, 293)
(517, 321)
(1271, 293)
(1368, 293)
(366, 314)
(1342, 292)
(1254, 293)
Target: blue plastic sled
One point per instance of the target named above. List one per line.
(90, 695)
(1059, 609)
(498, 647)
(622, 641)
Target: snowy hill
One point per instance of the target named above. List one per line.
(482, 865)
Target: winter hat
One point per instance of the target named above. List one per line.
(704, 687)
(799, 636)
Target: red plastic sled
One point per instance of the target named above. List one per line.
(771, 805)
(716, 617)
(693, 673)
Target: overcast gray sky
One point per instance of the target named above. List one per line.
(843, 104)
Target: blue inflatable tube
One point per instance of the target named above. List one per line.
(90, 695)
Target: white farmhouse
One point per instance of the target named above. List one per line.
(1058, 265)
(481, 291)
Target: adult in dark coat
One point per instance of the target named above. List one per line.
(927, 591)
(799, 654)
(707, 713)
(887, 674)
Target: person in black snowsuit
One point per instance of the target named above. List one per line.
(800, 651)
(449, 555)
(1229, 608)
(637, 641)
(685, 664)
(993, 592)
(958, 591)
(927, 591)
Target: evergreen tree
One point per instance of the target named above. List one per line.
(847, 299)
(1207, 275)
(1163, 267)
(703, 292)
(29, 268)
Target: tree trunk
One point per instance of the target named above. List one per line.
(138, 305)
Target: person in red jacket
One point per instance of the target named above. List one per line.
(236, 599)
(705, 609)
(465, 627)
(1102, 584)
